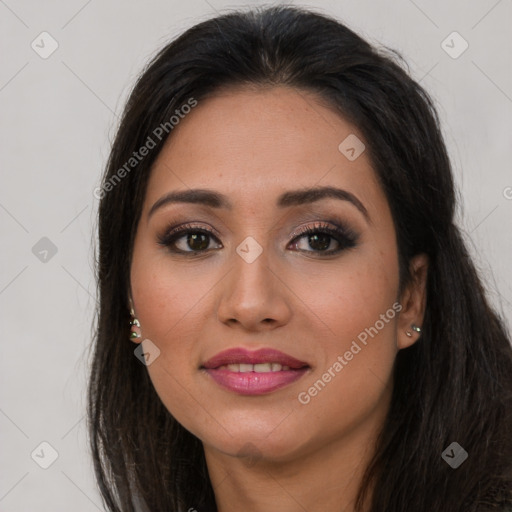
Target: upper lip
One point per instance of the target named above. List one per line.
(242, 355)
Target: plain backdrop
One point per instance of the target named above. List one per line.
(58, 118)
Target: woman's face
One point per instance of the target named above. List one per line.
(327, 299)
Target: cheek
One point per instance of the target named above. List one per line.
(165, 308)
(354, 378)
(170, 306)
(358, 305)
(352, 297)
(358, 355)
(167, 301)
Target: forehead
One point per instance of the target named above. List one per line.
(253, 144)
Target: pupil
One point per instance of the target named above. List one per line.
(200, 238)
(314, 239)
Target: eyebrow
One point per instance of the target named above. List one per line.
(287, 199)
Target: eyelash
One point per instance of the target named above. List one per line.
(344, 235)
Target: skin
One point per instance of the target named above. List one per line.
(272, 452)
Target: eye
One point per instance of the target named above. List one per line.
(187, 239)
(322, 237)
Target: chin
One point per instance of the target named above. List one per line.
(255, 445)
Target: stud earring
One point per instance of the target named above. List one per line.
(414, 328)
(135, 331)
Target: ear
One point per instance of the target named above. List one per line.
(413, 301)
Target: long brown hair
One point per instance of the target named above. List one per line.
(453, 385)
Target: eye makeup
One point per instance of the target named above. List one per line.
(193, 239)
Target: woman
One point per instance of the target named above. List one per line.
(276, 236)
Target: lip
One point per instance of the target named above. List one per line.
(254, 383)
(263, 355)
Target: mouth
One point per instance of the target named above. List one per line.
(254, 372)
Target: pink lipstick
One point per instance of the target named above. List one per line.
(254, 372)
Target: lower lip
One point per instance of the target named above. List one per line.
(254, 383)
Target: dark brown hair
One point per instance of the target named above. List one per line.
(454, 384)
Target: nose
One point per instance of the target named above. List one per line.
(253, 295)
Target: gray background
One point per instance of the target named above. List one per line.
(58, 116)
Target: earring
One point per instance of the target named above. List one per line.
(414, 328)
(135, 331)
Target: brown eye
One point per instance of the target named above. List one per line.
(187, 239)
(195, 241)
(321, 238)
(319, 242)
